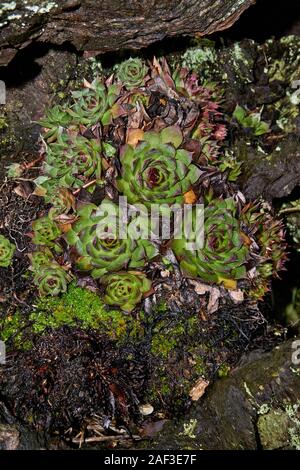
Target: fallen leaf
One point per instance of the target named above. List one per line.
(105, 164)
(213, 303)
(39, 191)
(87, 84)
(134, 136)
(24, 190)
(237, 295)
(199, 388)
(65, 222)
(246, 239)
(190, 197)
(202, 314)
(200, 287)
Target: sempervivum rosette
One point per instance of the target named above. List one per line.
(269, 247)
(40, 258)
(95, 237)
(45, 231)
(93, 103)
(7, 250)
(132, 73)
(70, 162)
(156, 170)
(51, 279)
(56, 120)
(125, 289)
(224, 254)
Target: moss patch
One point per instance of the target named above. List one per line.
(280, 428)
(11, 330)
(81, 307)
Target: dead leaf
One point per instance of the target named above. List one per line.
(202, 314)
(237, 295)
(190, 197)
(199, 388)
(24, 190)
(65, 227)
(213, 303)
(200, 287)
(246, 239)
(105, 164)
(134, 136)
(39, 191)
(65, 222)
(87, 84)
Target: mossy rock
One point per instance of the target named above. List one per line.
(273, 429)
(256, 406)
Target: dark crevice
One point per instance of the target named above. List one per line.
(290, 278)
(24, 67)
(266, 19)
(257, 435)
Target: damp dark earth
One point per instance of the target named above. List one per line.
(149, 226)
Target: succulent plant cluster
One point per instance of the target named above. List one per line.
(155, 138)
(45, 232)
(7, 250)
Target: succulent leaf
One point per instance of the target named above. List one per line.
(56, 120)
(70, 162)
(40, 258)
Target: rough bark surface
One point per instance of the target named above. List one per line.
(108, 25)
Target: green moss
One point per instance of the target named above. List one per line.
(81, 307)
(3, 123)
(11, 330)
(163, 343)
(223, 370)
(177, 356)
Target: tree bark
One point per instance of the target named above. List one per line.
(109, 25)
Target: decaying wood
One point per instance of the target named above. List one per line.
(109, 25)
